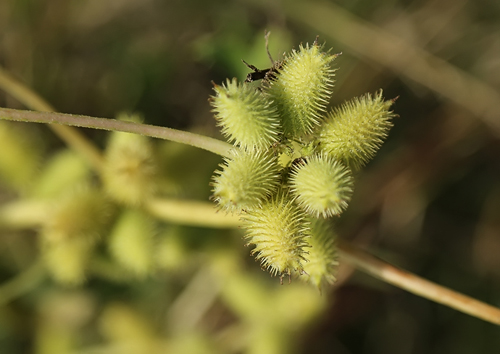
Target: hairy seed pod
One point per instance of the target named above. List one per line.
(21, 155)
(321, 265)
(302, 89)
(247, 179)
(71, 231)
(354, 132)
(172, 252)
(321, 185)
(278, 229)
(131, 242)
(245, 115)
(61, 173)
(130, 170)
(82, 211)
(67, 260)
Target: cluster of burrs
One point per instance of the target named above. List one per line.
(292, 164)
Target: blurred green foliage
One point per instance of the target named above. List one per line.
(429, 202)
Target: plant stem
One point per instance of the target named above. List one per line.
(23, 213)
(416, 285)
(191, 213)
(70, 136)
(213, 145)
(189, 307)
(22, 283)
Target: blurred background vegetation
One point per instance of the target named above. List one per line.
(429, 202)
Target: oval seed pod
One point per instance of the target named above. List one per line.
(60, 173)
(321, 185)
(354, 132)
(245, 115)
(67, 260)
(130, 170)
(321, 265)
(21, 155)
(278, 229)
(70, 232)
(302, 89)
(81, 211)
(247, 179)
(131, 242)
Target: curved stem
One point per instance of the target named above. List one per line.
(23, 213)
(416, 285)
(70, 136)
(213, 145)
(189, 307)
(191, 213)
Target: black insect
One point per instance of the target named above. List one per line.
(258, 74)
(266, 74)
(299, 161)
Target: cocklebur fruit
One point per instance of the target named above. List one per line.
(246, 180)
(67, 260)
(245, 116)
(131, 241)
(70, 232)
(302, 88)
(353, 132)
(278, 229)
(321, 185)
(321, 265)
(130, 169)
(20, 157)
